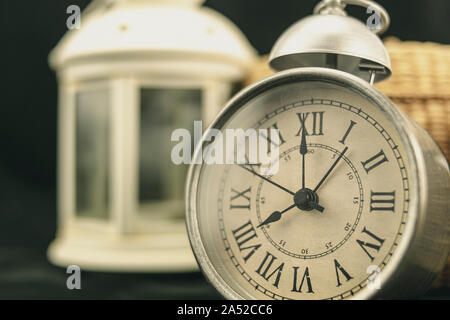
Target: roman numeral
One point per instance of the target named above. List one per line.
(265, 266)
(338, 269)
(368, 245)
(382, 201)
(374, 161)
(270, 139)
(305, 277)
(275, 126)
(352, 123)
(302, 118)
(243, 235)
(317, 125)
(240, 200)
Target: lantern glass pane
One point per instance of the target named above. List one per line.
(161, 183)
(92, 147)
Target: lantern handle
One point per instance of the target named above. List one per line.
(339, 6)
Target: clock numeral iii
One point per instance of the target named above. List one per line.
(240, 199)
(317, 123)
(265, 266)
(368, 245)
(340, 269)
(305, 277)
(243, 235)
(382, 201)
(374, 161)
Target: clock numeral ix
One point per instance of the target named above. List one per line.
(374, 161)
(240, 199)
(265, 266)
(243, 235)
(317, 123)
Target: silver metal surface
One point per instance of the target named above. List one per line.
(335, 41)
(424, 247)
(337, 6)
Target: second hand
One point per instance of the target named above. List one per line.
(331, 169)
(268, 180)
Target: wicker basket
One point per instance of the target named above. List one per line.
(419, 85)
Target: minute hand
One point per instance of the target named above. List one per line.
(331, 169)
(303, 152)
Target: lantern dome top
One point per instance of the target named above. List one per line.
(171, 28)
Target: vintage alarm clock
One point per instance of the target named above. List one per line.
(359, 205)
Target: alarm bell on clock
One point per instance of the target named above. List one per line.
(331, 39)
(358, 208)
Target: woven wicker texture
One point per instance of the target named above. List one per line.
(419, 85)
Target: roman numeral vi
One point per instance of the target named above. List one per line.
(305, 277)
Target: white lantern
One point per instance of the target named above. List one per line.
(135, 71)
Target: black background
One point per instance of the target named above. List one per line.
(28, 119)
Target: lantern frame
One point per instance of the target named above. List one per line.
(128, 240)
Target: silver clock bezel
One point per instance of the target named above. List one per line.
(399, 121)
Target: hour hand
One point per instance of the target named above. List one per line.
(275, 216)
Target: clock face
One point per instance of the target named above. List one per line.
(332, 216)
